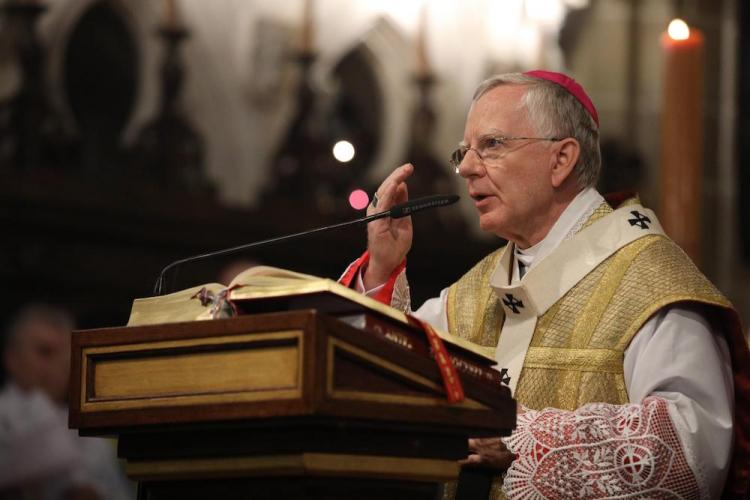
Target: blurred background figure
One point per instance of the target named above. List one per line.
(40, 458)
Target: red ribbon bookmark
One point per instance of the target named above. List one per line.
(453, 388)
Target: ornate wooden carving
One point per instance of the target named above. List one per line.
(32, 136)
(168, 151)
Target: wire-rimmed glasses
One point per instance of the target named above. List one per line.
(491, 148)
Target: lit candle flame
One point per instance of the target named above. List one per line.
(678, 30)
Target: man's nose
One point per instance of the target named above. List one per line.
(471, 165)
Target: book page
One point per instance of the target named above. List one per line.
(256, 274)
(172, 308)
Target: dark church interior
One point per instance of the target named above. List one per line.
(91, 217)
(134, 133)
(95, 207)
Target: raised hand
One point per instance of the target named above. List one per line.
(388, 240)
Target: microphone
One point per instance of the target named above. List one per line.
(396, 212)
(433, 201)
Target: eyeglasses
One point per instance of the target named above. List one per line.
(491, 148)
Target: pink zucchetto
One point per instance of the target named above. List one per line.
(572, 86)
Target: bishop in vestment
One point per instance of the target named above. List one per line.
(630, 368)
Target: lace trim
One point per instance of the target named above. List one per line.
(401, 297)
(582, 221)
(599, 451)
(691, 454)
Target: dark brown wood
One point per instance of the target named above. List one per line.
(494, 395)
(314, 400)
(410, 338)
(192, 329)
(289, 487)
(287, 436)
(359, 395)
(74, 383)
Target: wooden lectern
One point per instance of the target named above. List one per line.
(295, 404)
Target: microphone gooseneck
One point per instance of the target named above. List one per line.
(396, 212)
(432, 201)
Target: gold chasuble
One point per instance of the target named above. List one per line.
(577, 309)
(611, 277)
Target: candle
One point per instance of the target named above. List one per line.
(423, 65)
(170, 14)
(306, 43)
(682, 140)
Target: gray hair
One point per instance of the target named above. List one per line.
(33, 314)
(554, 112)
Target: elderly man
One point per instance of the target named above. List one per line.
(619, 351)
(39, 456)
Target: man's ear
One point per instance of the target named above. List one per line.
(568, 151)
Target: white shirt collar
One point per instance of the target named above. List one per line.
(569, 223)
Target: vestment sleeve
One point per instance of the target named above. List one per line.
(678, 357)
(433, 311)
(395, 293)
(679, 381)
(599, 451)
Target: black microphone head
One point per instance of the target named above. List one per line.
(432, 201)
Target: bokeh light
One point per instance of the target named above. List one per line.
(343, 151)
(678, 30)
(359, 199)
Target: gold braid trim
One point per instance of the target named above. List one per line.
(584, 360)
(473, 309)
(601, 211)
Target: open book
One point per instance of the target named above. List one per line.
(267, 289)
(186, 305)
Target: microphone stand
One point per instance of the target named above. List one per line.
(398, 211)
